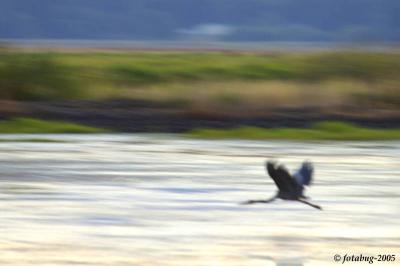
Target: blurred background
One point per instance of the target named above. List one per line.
(202, 62)
(224, 20)
(131, 129)
(205, 63)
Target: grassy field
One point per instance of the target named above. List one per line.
(39, 140)
(28, 126)
(320, 131)
(205, 78)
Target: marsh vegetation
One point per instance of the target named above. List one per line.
(329, 130)
(204, 78)
(30, 126)
(208, 85)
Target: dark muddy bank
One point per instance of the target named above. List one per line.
(146, 116)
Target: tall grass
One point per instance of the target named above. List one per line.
(36, 77)
(53, 76)
(151, 68)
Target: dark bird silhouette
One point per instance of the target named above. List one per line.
(290, 187)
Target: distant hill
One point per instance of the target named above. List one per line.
(230, 20)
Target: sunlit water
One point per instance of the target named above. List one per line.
(158, 200)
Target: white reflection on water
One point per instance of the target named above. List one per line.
(149, 200)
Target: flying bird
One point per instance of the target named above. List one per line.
(290, 187)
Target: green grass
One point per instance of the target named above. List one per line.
(320, 131)
(40, 140)
(29, 125)
(90, 75)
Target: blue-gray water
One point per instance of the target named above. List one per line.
(147, 200)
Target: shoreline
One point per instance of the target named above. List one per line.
(132, 116)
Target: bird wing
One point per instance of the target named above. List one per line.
(303, 176)
(281, 177)
(272, 172)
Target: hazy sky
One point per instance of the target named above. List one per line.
(230, 20)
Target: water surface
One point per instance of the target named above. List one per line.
(149, 200)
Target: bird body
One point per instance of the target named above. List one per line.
(290, 187)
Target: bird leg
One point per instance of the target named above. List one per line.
(259, 201)
(309, 203)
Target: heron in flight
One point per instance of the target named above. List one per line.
(290, 187)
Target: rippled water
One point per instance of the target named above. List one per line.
(147, 200)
